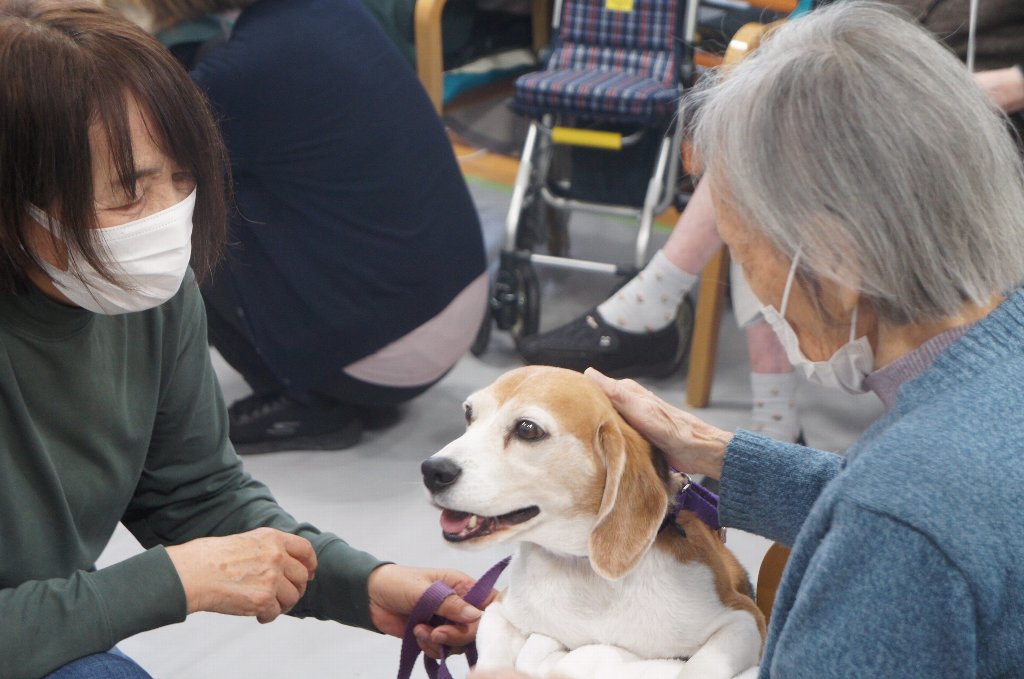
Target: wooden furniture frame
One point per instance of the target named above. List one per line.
(768, 577)
(430, 52)
(714, 279)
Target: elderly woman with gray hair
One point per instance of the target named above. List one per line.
(865, 185)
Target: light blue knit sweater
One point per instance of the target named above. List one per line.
(908, 554)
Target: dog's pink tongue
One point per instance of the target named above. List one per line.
(454, 522)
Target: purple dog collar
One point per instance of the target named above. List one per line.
(693, 497)
(423, 613)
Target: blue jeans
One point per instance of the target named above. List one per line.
(110, 665)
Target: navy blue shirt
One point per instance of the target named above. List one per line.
(354, 224)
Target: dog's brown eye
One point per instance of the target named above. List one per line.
(529, 431)
(469, 413)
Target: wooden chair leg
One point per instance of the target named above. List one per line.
(714, 278)
(769, 576)
(429, 55)
(707, 320)
(540, 21)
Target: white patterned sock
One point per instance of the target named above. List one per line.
(774, 409)
(651, 300)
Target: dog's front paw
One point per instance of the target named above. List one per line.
(498, 641)
(540, 655)
(729, 653)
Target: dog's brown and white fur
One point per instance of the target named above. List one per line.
(547, 462)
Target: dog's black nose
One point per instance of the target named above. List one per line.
(439, 473)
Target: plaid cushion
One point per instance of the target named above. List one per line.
(651, 25)
(656, 65)
(609, 65)
(617, 96)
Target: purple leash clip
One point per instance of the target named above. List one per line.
(693, 497)
(423, 613)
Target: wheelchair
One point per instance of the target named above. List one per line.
(604, 138)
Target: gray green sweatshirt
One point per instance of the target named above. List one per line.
(107, 419)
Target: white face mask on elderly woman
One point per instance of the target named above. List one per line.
(150, 255)
(847, 367)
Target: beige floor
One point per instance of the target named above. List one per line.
(372, 494)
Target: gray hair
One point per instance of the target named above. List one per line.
(856, 137)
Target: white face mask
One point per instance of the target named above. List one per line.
(846, 369)
(150, 256)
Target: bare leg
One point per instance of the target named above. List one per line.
(694, 240)
(766, 352)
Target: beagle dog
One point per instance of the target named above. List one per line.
(547, 462)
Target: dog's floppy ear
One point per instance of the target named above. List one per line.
(633, 504)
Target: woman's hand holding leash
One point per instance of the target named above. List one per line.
(690, 444)
(394, 591)
(263, 573)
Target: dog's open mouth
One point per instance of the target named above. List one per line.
(460, 526)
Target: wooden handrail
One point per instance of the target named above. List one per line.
(746, 40)
(429, 54)
(783, 6)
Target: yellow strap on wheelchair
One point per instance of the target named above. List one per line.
(618, 5)
(594, 138)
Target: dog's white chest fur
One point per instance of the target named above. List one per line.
(563, 598)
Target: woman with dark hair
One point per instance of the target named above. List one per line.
(112, 177)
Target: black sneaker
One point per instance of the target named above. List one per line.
(589, 341)
(375, 418)
(266, 423)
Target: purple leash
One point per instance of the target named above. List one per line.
(423, 613)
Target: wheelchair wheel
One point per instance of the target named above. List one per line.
(515, 301)
(528, 321)
(540, 223)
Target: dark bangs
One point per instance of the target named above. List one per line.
(63, 67)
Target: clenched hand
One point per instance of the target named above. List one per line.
(262, 573)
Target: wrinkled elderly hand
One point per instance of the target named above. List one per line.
(1004, 86)
(394, 591)
(690, 444)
